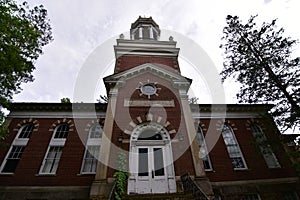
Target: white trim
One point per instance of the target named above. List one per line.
(256, 181)
(165, 144)
(50, 114)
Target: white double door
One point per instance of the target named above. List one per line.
(152, 173)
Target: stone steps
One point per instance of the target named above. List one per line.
(173, 196)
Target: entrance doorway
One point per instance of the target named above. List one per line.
(151, 161)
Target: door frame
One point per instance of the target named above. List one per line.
(134, 183)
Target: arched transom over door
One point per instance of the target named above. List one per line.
(151, 161)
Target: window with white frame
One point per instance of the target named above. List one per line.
(91, 154)
(51, 160)
(264, 147)
(233, 148)
(15, 152)
(203, 149)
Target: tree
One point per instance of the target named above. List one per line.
(103, 99)
(23, 33)
(260, 58)
(65, 100)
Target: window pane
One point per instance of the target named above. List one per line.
(291, 196)
(26, 131)
(203, 149)
(62, 131)
(52, 159)
(250, 197)
(233, 148)
(158, 162)
(265, 148)
(90, 159)
(143, 162)
(13, 159)
(96, 131)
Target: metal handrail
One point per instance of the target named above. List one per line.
(189, 185)
(112, 192)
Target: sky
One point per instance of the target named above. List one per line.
(79, 27)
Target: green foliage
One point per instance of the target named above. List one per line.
(65, 100)
(121, 176)
(260, 58)
(3, 129)
(23, 33)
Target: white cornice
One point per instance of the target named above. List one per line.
(146, 48)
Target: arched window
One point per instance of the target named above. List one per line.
(62, 131)
(203, 149)
(90, 159)
(233, 148)
(51, 160)
(26, 130)
(264, 147)
(15, 152)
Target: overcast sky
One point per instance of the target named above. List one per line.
(81, 26)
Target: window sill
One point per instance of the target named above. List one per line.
(6, 174)
(84, 174)
(241, 169)
(45, 174)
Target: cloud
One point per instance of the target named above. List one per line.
(80, 26)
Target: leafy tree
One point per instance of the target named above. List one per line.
(65, 100)
(23, 33)
(260, 58)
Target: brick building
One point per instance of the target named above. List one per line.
(70, 151)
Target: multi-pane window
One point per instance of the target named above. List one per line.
(15, 152)
(264, 147)
(53, 155)
(26, 131)
(90, 159)
(291, 196)
(251, 197)
(203, 149)
(91, 154)
(52, 159)
(233, 148)
(12, 159)
(62, 131)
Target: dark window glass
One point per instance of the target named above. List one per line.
(158, 162)
(150, 134)
(143, 162)
(26, 131)
(62, 131)
(13, 159)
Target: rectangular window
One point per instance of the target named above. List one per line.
(251, 197)
(13, 159)
(52, 159)
(158, 162)
(143, 162)
(203, 150)
(90, 159)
